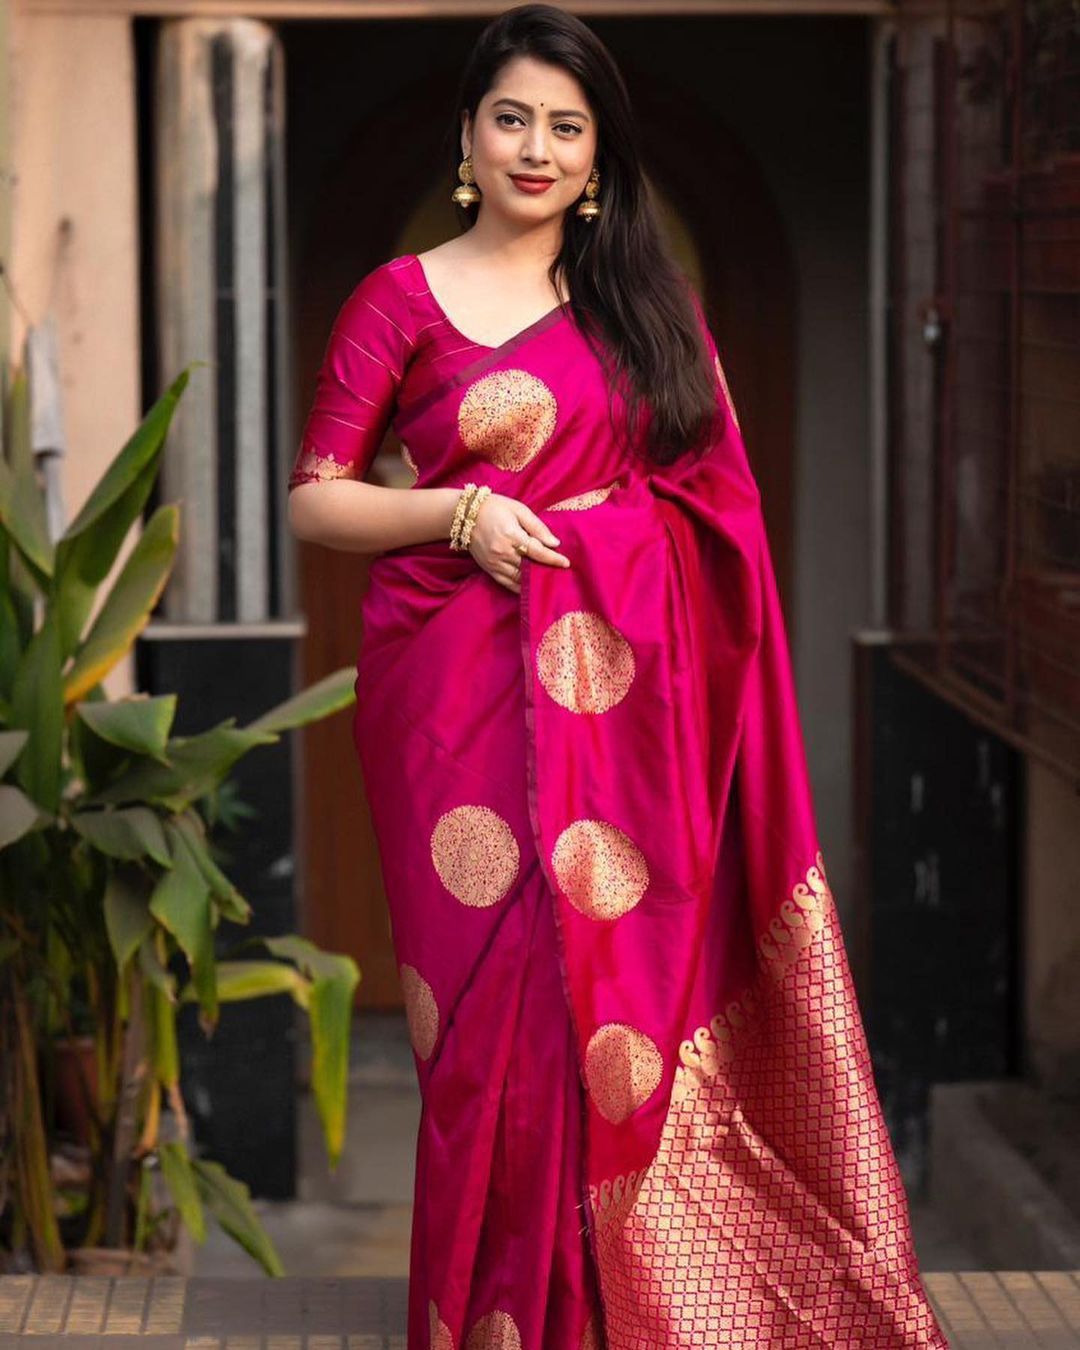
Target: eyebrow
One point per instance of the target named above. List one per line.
(555, 112)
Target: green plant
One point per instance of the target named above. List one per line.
(112, 899)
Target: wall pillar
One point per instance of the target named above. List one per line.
(221, 268)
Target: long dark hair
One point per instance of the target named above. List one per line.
(630, 300)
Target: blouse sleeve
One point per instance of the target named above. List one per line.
(357, 384)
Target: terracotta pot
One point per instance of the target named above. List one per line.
(76, 1080)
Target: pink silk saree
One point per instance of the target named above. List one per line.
(649, 1119)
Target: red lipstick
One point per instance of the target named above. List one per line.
(530, 183)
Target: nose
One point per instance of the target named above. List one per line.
(536, 143)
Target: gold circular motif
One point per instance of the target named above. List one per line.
(508, 417)
(475, 854)
(599, 868)
(583, 500)
(421, 1011)
(441, 1339)
(494, 1331)
(584, 662)
(623, 1068)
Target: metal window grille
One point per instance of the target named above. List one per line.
(984, 356)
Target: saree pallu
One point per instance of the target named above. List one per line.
(649, 1117)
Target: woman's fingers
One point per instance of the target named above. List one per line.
(538, 551)
(536, 527)
(511, 580)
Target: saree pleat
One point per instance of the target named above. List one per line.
(499, 1254)
(503, 1137)
(649, 1119)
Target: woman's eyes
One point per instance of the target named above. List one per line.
(569, 126)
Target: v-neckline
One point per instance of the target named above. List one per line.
(488, 347)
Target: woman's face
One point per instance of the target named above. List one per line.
(534, 121)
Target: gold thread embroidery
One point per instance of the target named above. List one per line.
(615, 1197)
(584, 662)
(407, 457)
(727, 392)
(584, 500)
(496, 1330)
(776, 1188)
(599, 868)
(712, 1048)
(310, 464)
(440, 1335)
(590, 1337)
(508, 417)
(421, 1011)
(475, 854)
(623, 1068)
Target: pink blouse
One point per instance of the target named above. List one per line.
(390, 345)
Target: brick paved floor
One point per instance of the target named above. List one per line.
(980, 1310)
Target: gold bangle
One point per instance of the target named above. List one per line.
(471, 514)
(463, 502)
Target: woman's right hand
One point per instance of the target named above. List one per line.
(501, 524)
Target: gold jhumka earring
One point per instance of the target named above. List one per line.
(466, 194)
(589, 209)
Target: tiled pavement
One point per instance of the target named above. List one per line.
(979, 1310)
(345, 1245)
(172, 1313)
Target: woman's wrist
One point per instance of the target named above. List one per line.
(452, 496)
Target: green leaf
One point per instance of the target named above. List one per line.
(13, 631)
(196, 765)
(138, 723)
(129, 832)
(154, 971)
(165, 1053)
(97, 762)
(326, 696)
(127, 916)
(239, 981)
(92, 542)
(141, 449)
(229, 1201)
(18, 814)
(180, 1179)
(330, 1010)
(232, 903)
(11, 744)
(128, 605)
(37, 707)
(312, 960)
(181, 904)
(22, 501)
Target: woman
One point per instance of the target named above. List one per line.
(649, 1118)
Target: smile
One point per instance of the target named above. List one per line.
(532, 185)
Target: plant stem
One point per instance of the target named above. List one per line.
(133, 1073)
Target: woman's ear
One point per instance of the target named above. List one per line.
(466, 135)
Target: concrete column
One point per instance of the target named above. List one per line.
(221, 300)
